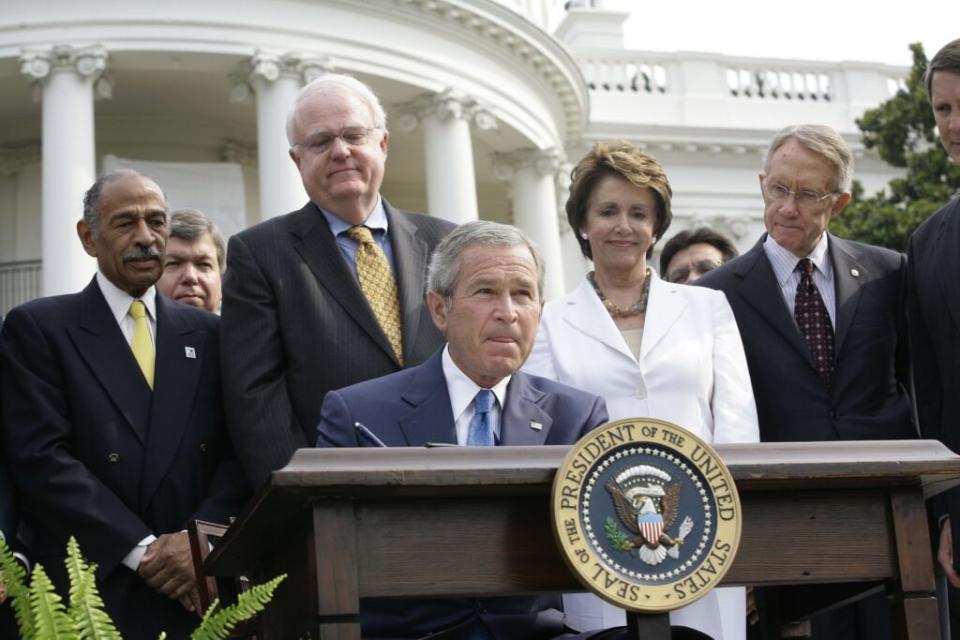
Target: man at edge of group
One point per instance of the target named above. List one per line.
(113, 425)
(823, 323)
(326, 296)
(934, 309)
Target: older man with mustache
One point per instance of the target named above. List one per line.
(112, 419)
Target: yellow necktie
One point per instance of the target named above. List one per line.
(378, 285)
(142, 343)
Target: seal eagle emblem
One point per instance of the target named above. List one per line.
(646, 514)
(647, 502)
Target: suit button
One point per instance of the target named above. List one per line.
(113, 457)
(203, 447)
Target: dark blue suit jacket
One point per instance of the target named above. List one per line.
(7, 513)
(934, 308)
(871, 369)
(412, 407)
(94, 454)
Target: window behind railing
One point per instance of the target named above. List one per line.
(19, 282)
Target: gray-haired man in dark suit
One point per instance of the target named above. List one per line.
(302, 313)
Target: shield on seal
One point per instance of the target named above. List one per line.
(651, 526)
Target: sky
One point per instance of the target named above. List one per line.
(830, 31)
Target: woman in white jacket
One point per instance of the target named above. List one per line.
(648, 347)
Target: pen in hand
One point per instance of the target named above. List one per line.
(367, 435)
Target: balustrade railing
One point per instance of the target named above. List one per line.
(639, 72)
(19, 282)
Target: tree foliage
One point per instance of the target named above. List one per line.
(902, 131)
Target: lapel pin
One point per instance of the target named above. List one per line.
(855, 273)
(536, 426)
(190, 352)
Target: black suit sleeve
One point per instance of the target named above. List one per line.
(902, 355)
(61, 493)
(927, 386)
(260, 416)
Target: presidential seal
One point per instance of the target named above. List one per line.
(646, 514)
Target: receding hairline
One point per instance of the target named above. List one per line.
(335, 85)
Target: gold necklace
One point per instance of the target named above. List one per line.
(635, 309)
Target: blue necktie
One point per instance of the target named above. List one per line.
(481, 431)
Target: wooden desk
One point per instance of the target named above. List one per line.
(352, 523)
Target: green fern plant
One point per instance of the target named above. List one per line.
(42, 615)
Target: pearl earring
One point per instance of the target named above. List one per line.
(583, 234)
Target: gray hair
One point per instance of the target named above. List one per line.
(332, 83)
(191, 224)
(823, 141)
(91, 199)
(445, 265)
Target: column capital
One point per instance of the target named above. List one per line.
(269, 66)
(38, 64)
(449, 104)
(13, 159)
(543, 161)
(238, 153)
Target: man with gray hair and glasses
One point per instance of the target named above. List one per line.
(822, 321)
(326, 296)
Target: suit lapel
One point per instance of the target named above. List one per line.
(175, 385)
(946, 253)
(665, 308)
(431, 419)
(523, 413)
(848, 291)
(101, 344)
(582, 312)
(759, 288)
(319, 249)
(410, 255)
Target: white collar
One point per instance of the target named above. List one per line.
(784, 262)
(376, 219)
(462, 389)
(119, 300)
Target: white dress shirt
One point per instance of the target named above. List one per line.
(784, 266)
(462, 391)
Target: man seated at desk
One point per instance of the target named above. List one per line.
(484, 294)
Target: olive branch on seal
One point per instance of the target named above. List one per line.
(616, 535)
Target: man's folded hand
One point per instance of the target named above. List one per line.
(167, 566)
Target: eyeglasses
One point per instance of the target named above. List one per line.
(682, 275)
(351, 136)
(805, 199)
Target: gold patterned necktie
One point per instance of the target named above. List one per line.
(378, 285)
(142, 343)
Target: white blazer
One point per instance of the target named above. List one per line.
(692, 371)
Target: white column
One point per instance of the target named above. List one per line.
(448, 150)
(276, 79)
(66, 75)
(532, 175)
(575, 266)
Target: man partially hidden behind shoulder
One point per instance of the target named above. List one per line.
(484, 287)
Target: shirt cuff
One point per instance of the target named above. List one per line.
(132, 559)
